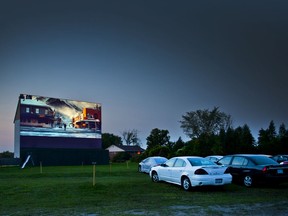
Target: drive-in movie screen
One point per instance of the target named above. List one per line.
(48, 117)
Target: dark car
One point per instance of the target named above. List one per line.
(281, 159)
(252, 168)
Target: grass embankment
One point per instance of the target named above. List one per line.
(119, 190)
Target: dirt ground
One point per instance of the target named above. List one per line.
(263, 209)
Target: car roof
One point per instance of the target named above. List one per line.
(187, 157)
(249, 155)
(214, 156)
(281, 155)
(157, 157)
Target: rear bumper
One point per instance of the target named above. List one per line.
(273, 179)
(202, 180)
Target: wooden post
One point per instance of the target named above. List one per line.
(94, 173)
(110, 168)
(41, 167)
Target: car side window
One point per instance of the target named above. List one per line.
(238, 161)
(225, 160)
(250, 163)
(180, 163)
(245, 162)
(170, 162)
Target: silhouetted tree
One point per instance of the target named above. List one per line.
(267, 142)
(243, 140)
(109, 139)
(247, 140)
(158, 137)
(283, 139)
(178, 145)
(130, 137)
(205, 122)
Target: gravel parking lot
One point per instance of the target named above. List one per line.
(261, 209)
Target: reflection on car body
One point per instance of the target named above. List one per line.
(191, 171)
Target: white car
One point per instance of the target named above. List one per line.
(191, 171)
(146, 164)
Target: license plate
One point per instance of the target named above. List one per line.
(279, 171)
(218, 181)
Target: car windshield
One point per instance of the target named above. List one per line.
(263, 160)
(200, 162)
(160, 160)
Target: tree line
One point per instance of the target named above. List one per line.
(211, 132)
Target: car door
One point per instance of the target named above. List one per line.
(176, 171)
(239, 167)
(147, 164)
(144, 165)
(164, 171)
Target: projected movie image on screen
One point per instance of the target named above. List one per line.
(53, 117)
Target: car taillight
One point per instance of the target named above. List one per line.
(265, 170)
(200, 172)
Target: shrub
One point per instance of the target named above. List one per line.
(121, 157)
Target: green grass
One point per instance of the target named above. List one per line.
(119, 190)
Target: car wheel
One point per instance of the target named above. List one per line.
(155, 177)
(139, 169)
(186, 184)
(248, 181)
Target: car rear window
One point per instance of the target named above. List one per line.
(262, 160)
(200, 162)
(160, 160)
(239, 161)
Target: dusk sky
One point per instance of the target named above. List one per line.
(147, 62)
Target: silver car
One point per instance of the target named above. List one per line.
(146, 164)
(191, 171)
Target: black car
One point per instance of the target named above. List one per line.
(281, 159)
(252, 168)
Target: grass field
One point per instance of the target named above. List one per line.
(120, 190)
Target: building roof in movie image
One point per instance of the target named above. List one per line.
(33, 102)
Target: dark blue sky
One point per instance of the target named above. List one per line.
(147, 62)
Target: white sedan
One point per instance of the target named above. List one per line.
(191, 171)
(146, 164)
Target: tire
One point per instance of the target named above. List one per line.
(139, 169)
(248, 181)
(186, 184)
(155, 177)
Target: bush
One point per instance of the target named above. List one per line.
(162, 151)
(121, 157)
(137, 158)
(6, 154)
